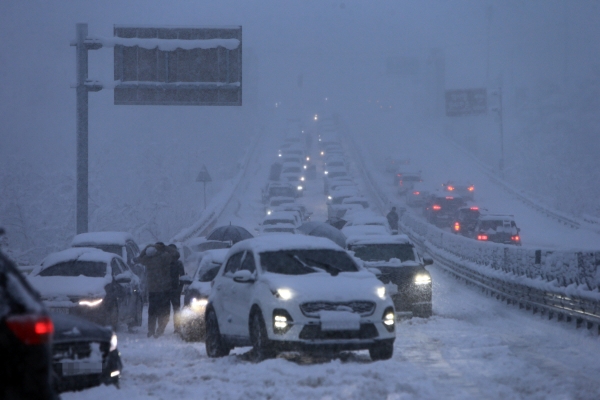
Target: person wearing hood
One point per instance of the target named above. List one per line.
(176, 269)
(157, 260)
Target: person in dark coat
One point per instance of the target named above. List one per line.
(393, 218)
(177, 270)
(157, 261)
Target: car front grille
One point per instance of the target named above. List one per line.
(314, 332)
(312, 309)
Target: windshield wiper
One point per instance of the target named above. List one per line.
(329, 268)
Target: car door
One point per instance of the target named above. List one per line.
(241, 297)
(123, 291)
(222, 301)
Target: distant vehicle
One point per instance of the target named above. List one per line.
(350, 203)
(194, 248)
(463, 189)
(275, 172)
(90, 283)
(278, 201)
(195, 295)
(497, 228)
(25, 338)
(278, 189)
(119, 243)
(282, 217)
(304, 213)
(300, 294)
(405, 180)
(466, 220)
(293, 173)
(336, 183)
(393, 163)
(418, 195)
(441, 210)
(85, 354)
(397, 262)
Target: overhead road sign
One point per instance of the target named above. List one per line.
(177, 66)
(466, 102)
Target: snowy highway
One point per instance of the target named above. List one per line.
(473, 347)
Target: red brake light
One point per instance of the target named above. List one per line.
(474, 208)
(482, 237)
(31, 329)
(450, 188)
(437, 207)
(471, 188)
(515, 238)
(416, 193)
(456, 226)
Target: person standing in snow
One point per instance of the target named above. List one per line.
(157, 260)
(177, 270)
(393, 218)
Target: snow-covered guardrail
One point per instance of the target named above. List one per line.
(558, 282)
(220, 202)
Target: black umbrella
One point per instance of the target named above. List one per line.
(322, 229)
(229, 233)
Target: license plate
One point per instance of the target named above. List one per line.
(81, 368)
(59, 310)
(339, 321)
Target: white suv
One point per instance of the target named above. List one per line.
(297, 293)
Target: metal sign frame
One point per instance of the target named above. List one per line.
(463, 102)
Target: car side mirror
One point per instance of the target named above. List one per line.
(185, 279)
(243, 276)
(123, 278)
(427, 260)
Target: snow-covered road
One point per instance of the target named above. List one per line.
(473, 347)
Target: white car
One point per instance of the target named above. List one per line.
(297, 293)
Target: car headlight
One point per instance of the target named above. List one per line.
(90, 303)
(322, 153)
(422, 279)
(326, 172)
(269, 212)
(198, 304)
(113, 342)
(305, 167)
(307, 158)
(302, 178)
(329, 197)
(300, 187)
(389, 319)
(282, 321)
(381, 292)
(284, 294)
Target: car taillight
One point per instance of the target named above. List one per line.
(449, 198)
(515, 238)
(482, 237)
(450, 188)
(436, 207)
(474, 208)
(400, 183)
(31, 329)
(456, 226)
(471, 188)
(416, 193)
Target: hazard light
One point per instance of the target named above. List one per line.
(456, 226)
(515, 238)
(471, 188)
(437, 207)
(450, 188)
(482, 237)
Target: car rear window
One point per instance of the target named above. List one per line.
(301, 262)
(210, 273)
(92, 269)
(384, 252)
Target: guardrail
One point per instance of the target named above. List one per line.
(219, 203)
(565, 284)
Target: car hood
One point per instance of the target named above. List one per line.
(202, 288)
(70, 328)
(394, 262)
(321, 286)
(65, 287)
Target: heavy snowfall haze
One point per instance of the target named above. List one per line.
(143, 160)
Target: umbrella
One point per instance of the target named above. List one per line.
(322, 229)
(232, 233)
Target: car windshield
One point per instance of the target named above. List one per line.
(292, 169)
(281, 191)
(276, 221)
(301, 262)
(280, 230)
(209, 273)
(92, 269)
(384, 252)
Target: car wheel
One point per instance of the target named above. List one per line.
(382, 351)
(262, 347)
(214, 342)
(193, 331)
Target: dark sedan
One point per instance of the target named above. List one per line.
(84, 354)
(395, 261)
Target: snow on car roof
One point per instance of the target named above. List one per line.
(352, 199)
(369, 220)
(101, 238)
(360, 230)
(494, 217)
(285, 242)
(378, 239)
(76, 253)
(281, 215)
(282, 198)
